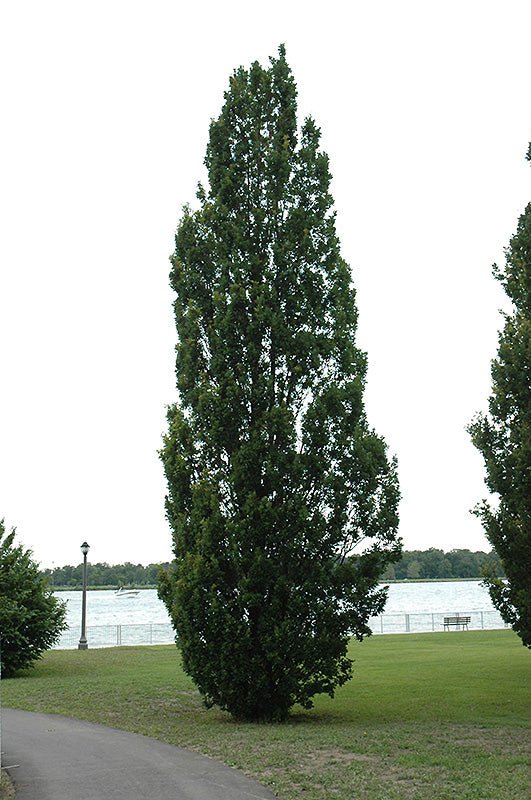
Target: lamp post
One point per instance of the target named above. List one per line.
(83, 645)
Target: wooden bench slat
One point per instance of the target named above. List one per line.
(457, 621)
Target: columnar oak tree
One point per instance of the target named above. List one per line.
(504, 439)
(281, 499)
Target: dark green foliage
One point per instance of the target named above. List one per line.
(102, 574)
(434, 564)
(504, 439)
(282, 501)
(31, 619)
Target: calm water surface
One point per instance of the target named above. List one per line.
(444, 597)
(104, 608)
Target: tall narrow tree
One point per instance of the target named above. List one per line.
(504, 439)
(281, 499)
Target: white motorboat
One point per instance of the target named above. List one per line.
(121, 592)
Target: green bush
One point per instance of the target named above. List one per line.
(31, 618)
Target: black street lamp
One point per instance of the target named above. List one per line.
(83, 644)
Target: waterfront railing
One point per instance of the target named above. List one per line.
(163, 633)
(428, 622)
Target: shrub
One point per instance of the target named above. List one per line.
(31, 618)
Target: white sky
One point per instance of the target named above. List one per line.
(426, 116)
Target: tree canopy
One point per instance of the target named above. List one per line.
(281, 499)
(31, 618)
(503, 436)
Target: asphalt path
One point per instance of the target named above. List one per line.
(50, 757)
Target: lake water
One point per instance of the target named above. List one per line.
(104, 608)
(143, 619)
(445, 597)
(437, 597)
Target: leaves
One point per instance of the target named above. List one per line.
(504, 439)
(275, 480)
(31, 619)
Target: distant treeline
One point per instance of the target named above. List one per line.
(433, 564)
(414, 564)
(105, 575)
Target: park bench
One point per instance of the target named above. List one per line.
(458, 622)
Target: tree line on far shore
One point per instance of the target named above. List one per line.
(436, 564)
(103, 574)
(414, 565)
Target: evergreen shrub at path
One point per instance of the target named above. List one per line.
(31, 618)
(442, 715)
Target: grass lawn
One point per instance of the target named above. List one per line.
(6, 787)
(438, 716)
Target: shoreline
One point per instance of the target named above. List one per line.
(154, 585)
(432, 580)
(101, 588)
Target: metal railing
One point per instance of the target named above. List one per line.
(163, 633)
(429, 622)
(116, 635)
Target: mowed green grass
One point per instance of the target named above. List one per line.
(7, 791)
(443, 715)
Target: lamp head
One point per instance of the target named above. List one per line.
(85, 548)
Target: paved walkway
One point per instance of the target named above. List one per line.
(65, 759)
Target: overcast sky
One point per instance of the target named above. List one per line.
(425, 113)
